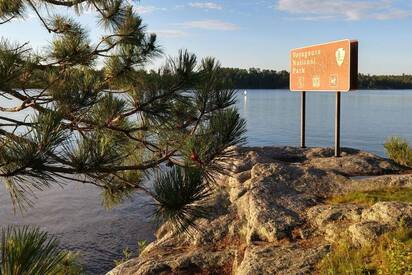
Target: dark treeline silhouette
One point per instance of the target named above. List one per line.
(385, 81)
(254, 78)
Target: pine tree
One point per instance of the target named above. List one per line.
(97, 117)
(25, 250)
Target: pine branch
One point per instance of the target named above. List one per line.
(180, 196)
(109, 126)
(7, 20)
(30, 251)
(41, 18)
(65, 3)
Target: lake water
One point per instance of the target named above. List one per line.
(75, 215)
(368, 118)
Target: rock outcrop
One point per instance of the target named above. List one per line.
(270, 215)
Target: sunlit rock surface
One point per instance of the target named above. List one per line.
(270, 215)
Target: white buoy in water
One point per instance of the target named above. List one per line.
(245, 92)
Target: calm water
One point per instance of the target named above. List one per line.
(77, 218)
(368, 118)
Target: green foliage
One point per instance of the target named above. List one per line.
(70, 265)
(141, 245)
(180, 195)
(398, 149)
(25, 162)
(13, 62)
(392, 254)
(99, 118)
(107, 109)
(115, 193)
(254, 78)
(214, 144)
(374, 196)
(10, 9)
(71, 44)
(345, 259)
(75, 90)
(382, 82)
(127, 253)
(126, 256)
(48, 132)
(94, 152)
(26, 250)
(398, 258)
(109, 126)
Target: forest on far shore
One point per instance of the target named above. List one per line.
(254, 78)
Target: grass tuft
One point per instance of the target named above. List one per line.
(399, 150)
(392, 254)
(372, 197)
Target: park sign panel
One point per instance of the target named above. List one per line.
(329, 67)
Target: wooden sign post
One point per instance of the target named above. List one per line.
(329, 67)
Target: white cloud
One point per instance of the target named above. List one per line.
(210, 25)
(147, 9)
(141, 9)
(206, 5)
(342, 9)
(392, 14)
(30, 16)
(170, 33)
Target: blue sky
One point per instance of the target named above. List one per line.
(260, 34)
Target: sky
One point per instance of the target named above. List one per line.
(260, 34)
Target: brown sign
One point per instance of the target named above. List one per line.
(327, 67)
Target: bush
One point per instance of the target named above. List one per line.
(399, 150)
(127, 253)
(70, 265)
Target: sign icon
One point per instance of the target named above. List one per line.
(340, 56)
(333, 80)
(316, 81)
(301, 82)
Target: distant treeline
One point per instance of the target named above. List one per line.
(254, 78)
(385, 81)
(270, 79)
